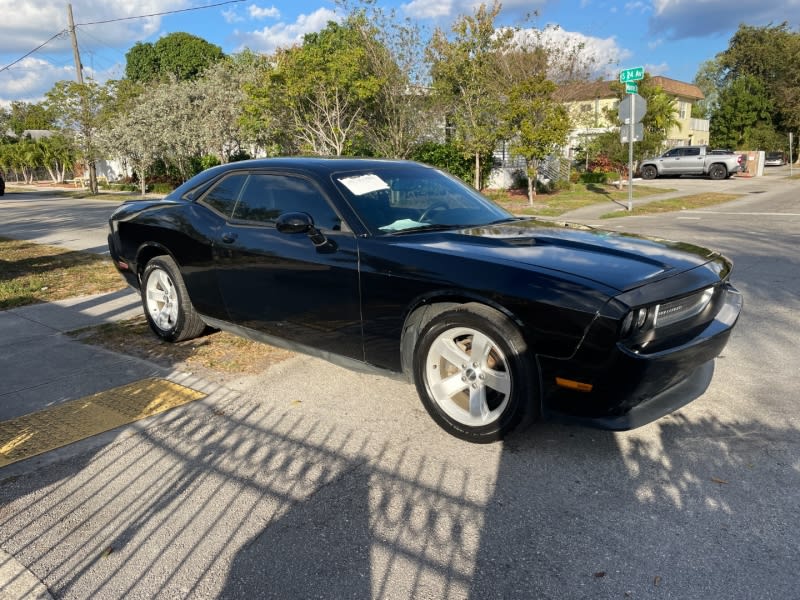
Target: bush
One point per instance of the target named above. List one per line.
(594, 177)
(449, 158)
(160, 188)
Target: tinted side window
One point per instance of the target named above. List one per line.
(267, 196)
(223, 196)
(673, 153)
(692, 151)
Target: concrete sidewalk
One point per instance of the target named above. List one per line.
(41, 366)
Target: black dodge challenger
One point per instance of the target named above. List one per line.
(397, 267)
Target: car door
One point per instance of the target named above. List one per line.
(287, 285)
(693, 162)
(671, 161)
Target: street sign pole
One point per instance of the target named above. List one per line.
(790, 153)
(630, 153)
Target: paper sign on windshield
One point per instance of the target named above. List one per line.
(364, 184)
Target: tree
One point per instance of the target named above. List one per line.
(179, 55)
(81, 110)
(769, 55)
(219, 96)
(28, 115)
(325, 87)
(539, 124)
(402, 113)
(58, 154)
(743, 105)
(464, 73)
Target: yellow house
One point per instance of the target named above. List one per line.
(587, 104)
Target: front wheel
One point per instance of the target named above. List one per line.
(649, 172)
(473, 373)
(167, 307)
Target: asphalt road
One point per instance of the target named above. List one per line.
(312, 481)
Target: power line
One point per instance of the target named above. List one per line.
(39, 47)
(160, 14)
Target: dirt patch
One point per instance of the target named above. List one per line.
(217, 356)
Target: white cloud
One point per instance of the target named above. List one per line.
(30, 78)
(282, 35)
(604, 53)
(439, 9)
(681, 19)
(231, 16)
(638, 6)
(660, 69)
(256, 12)
(27, 23)
(425, 9)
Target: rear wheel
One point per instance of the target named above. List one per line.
(717, 171)
(473, 374)
(649, 172)
(167, 307)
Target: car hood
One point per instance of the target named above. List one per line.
(619, 260)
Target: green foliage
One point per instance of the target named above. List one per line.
(594, 177)
(179, 56)
(464, 70)
(538, 124)
(450, 158)
(762, 61)
(27, 115)
(320, 93)
(743, 105)
(161, 188)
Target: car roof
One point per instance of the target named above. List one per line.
(321, 165)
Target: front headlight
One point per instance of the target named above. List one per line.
(634, 322)
(657, 316)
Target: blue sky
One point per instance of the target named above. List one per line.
(667, 37)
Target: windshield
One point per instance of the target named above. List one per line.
(407, 197)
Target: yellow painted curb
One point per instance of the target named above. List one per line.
(69, 422)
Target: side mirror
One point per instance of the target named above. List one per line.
(300, 222)
(294, 222)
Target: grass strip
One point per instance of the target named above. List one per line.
(32, 273)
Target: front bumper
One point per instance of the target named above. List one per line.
(630, 389)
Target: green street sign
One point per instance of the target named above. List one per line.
(631, 88)
(634, 74)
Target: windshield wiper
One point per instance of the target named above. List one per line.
(431, 227)
(509, 220)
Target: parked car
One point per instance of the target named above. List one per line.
(396, 267)
(774, 159)
(2, 185)
(692, 160)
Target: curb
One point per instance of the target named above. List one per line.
(16, 581)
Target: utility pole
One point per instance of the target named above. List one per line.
(87, 140)
(75, 53)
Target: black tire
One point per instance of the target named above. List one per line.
(475, 394)
(166, 303)
(649, 172)
(717, 171)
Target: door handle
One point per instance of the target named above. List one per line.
(229, 237)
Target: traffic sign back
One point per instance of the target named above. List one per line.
(633, 113)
